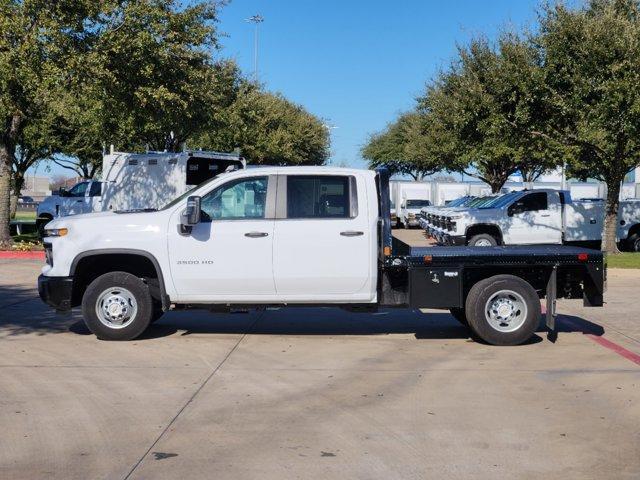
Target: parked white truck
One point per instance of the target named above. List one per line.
(409, 199)
(532, 217)
(133, 181)
(296, 236)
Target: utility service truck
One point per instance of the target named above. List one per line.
(530, 217)
(409, 199)
(133, 181)
(311, 236)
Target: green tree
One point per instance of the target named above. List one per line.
(485, 104)
(407, 146)
(38, 38)
(150, 82)
(269, 130)
(591, 106)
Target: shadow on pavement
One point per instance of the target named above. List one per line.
(24, 313)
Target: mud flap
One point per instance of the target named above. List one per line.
(551, 313)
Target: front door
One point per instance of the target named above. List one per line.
(322, 247)
(532, 219)
(228, 256)
(76, 200)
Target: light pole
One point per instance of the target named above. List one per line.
(257, 20)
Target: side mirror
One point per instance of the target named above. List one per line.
(62, 192)
(191, 215)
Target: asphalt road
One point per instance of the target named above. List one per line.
(317, 393)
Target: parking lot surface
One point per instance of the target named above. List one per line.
(317, 393)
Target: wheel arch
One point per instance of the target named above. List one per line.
(488, 228)
(89, 265)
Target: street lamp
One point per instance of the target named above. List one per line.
(257, 20)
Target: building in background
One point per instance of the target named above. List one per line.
(36, 187)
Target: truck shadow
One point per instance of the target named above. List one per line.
(333, 321)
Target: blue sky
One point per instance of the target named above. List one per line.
(359, 63)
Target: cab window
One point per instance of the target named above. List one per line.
(320, 196)
(241, 199)
(534, 202)
(79, 190)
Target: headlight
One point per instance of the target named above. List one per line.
(56, 232)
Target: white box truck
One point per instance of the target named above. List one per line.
(135, 181)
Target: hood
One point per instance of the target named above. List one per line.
(99, 222)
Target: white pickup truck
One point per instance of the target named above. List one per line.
(296, 236)
(531, 217)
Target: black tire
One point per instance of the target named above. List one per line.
(480, 295)
(633, 243)
(482, 238)
(116, 281)
(460, 315)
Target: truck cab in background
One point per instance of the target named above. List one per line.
(83, 197)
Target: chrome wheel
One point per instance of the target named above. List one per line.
(483, 242)
(506, 311)
(116, 307)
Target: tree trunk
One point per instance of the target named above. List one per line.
(5, 193)
(609, 243)
(17, 184)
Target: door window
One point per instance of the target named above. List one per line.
(237, 200)
(79, 190)
(96, 189)
(320, 196)
(534, 202)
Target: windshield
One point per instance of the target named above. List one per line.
(177, 200)
(499, 202)
(458, 202)
(418, 203)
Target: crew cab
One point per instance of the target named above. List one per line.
(530, 217)
(296, 236)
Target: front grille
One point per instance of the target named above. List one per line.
(48, 254)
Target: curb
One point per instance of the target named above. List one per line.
(11, 255)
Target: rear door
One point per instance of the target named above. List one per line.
(322, 240)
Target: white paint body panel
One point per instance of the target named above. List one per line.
(314, 262)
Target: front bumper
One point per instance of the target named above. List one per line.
(56, 291)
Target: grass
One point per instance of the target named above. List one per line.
(624, 260)
(27, 237)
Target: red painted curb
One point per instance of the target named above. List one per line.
(7, 254)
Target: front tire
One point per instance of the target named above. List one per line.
(503, 310)
(634, 243)
(483, 240)
(117, 306)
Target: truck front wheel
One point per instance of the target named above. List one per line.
(117, 306)
(503, 310)
(483, 240)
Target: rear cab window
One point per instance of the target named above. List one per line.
(321, 196)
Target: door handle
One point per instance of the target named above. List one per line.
(351, 233)
(79, 201)
(546, 215)
(256, 234)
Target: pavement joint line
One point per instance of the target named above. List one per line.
(193, 396)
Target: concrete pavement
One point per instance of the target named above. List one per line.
(316, 393)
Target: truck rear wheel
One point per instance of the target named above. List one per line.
(483, 240)
(117, 306)
(503, 310)
(634, 242)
